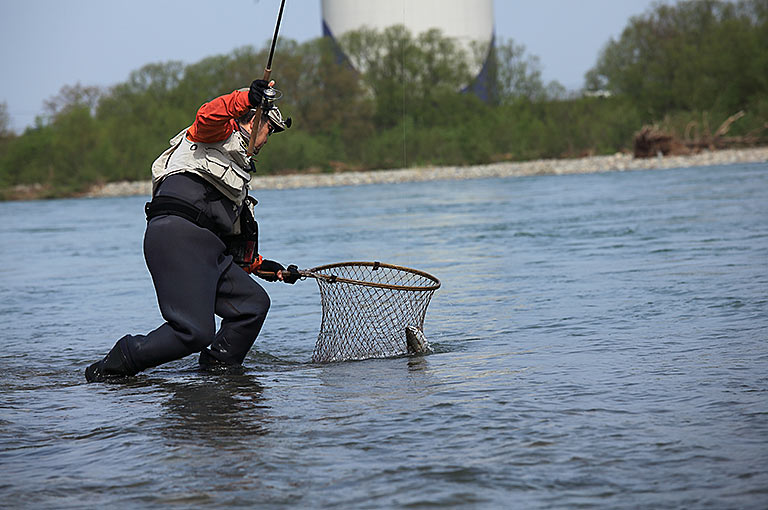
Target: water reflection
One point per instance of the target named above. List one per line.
(213, 407)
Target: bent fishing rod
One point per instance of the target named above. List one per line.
(267, 73)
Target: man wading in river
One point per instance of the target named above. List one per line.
(201, 241)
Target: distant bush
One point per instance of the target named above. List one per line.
(691, 56)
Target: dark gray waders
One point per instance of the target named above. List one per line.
(194, 279)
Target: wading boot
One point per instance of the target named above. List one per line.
(113, 366)
(209, 363)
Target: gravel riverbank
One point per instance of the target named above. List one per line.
(617, 162)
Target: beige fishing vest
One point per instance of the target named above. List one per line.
(223, 164)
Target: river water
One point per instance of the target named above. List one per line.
(600, 340)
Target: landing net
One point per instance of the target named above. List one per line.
(371, 310)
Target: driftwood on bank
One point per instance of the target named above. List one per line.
(652, 141)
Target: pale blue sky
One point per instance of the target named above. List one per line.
(47, 44)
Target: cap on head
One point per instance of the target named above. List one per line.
(276, 120)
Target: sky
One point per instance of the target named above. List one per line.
(49, 44)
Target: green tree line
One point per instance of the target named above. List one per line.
(398, 100)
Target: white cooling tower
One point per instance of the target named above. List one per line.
(467, 21)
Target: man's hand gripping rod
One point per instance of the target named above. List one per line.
(267, 74)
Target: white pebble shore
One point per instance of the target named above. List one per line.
(616, 162)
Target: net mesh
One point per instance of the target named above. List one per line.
(367, 307)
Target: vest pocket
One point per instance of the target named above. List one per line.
(225, 171)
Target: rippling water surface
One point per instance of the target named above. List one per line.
(600, 341)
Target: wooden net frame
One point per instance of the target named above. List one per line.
(367, 307)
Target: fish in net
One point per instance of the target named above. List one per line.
(371, 310)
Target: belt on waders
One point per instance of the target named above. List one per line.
(164, 205)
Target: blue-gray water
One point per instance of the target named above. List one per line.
(601, 341)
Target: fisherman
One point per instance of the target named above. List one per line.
(200, 244)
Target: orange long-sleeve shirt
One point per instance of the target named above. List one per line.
(215, 120)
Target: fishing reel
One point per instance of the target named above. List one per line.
(268, 107)
(270, 95)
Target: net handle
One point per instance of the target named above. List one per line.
(318, 274)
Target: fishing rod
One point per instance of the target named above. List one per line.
(270, 94)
